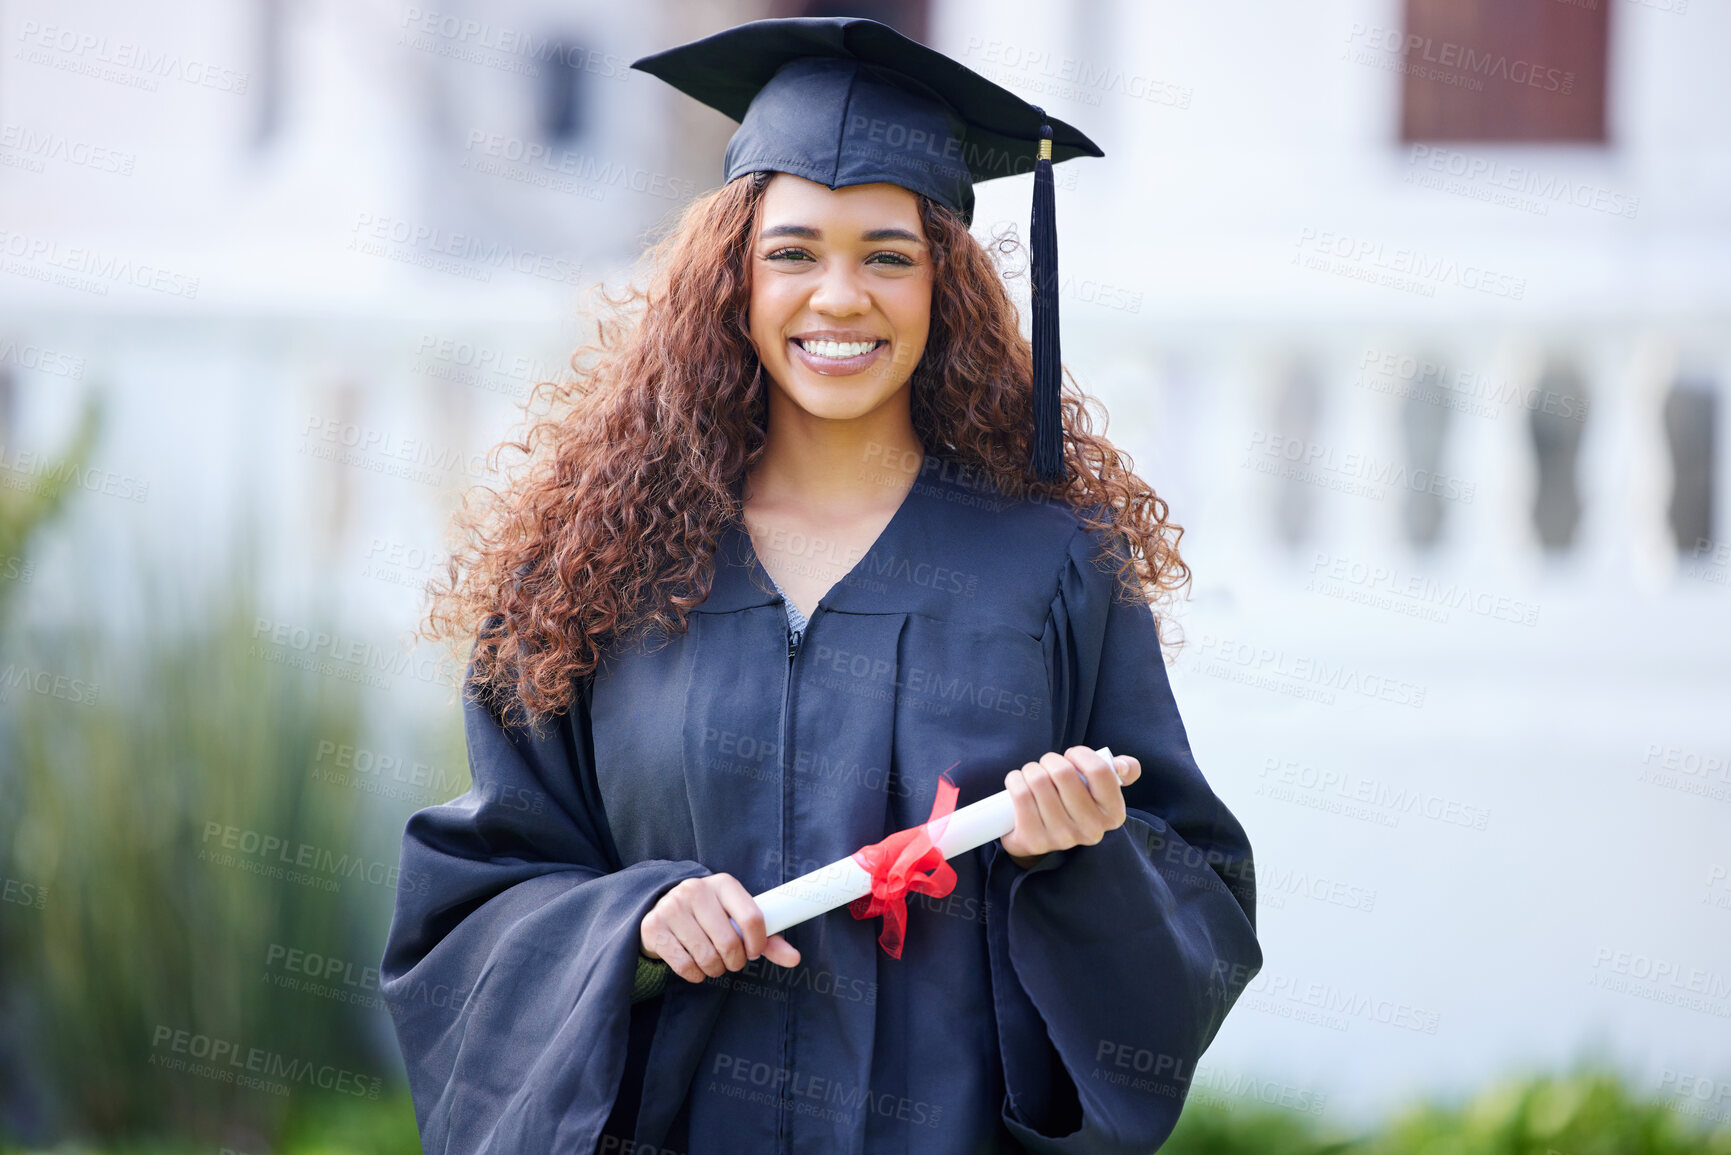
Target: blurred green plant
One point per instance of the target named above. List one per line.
(32, 503)
(1586, 1112)
(163, 814)
(337, 1127)
(320, 1125)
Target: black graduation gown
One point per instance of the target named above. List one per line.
(1061, 1008)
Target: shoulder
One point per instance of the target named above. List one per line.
(1014, 553)
(975, 511)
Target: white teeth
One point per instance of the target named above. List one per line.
(837, 350)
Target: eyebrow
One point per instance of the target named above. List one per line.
(806, 232)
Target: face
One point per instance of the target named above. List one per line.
(841, 293)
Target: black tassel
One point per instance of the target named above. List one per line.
(1048, 440)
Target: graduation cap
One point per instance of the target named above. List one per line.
(847, 100)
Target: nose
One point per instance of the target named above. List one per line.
(840, 292)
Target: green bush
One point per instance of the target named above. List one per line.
(1584, 1113)
(145, 929)
(332, 1127)
(27, 509)
(321, 1125)
(1579, 1114)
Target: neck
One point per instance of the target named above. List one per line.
(837, 465)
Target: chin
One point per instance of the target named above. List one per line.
(837, 398)
(832, 408)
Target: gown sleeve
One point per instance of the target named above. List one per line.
(510, 964)
(1114, 964)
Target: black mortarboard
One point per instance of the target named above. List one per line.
(846, 101)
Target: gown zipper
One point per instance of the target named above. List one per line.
(784, 1137)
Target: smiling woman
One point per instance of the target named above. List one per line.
(789, 558)
(841, 305)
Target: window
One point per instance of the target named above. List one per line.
(1504, 70)
(564, 93)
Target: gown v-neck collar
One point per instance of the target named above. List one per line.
(742, 581)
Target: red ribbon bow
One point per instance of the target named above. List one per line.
(906, 860)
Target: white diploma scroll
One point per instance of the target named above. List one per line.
(842, 881)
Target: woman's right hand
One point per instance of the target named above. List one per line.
(689, 929)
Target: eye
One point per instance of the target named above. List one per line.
(787, 254)
(894, 258)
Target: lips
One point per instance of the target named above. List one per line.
(834, 366)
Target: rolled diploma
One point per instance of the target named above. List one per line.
(842, 881)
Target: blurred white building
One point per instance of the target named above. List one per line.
(1417, 313)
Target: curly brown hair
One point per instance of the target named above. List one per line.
(632, 473)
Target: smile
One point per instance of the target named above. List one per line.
(836, 358)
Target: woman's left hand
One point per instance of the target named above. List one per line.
(1065, 800)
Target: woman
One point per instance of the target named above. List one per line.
(776, 566)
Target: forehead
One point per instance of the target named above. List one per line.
(790, 199)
